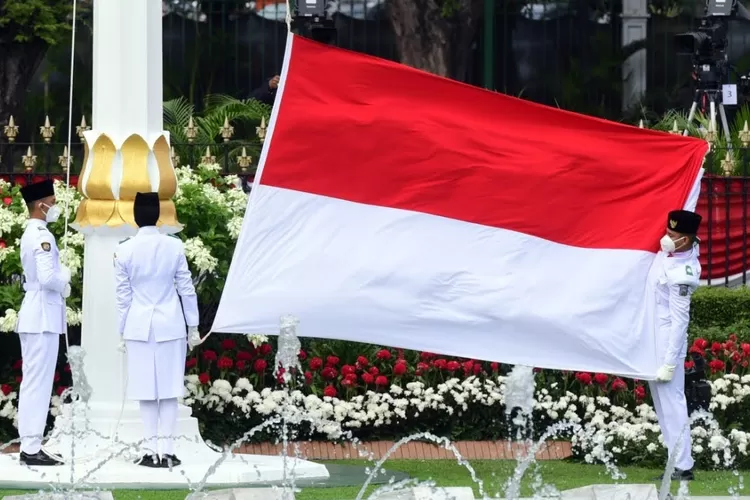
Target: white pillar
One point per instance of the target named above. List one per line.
(634, 26)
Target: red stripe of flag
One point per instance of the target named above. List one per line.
(371, 131)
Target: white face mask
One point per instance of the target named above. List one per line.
(52, 213)
(668, 244)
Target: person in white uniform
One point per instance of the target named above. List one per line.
(678, 279)
(151, 276)
(41, 319)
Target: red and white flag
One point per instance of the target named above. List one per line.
(399, 208)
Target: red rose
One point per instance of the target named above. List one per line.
(60, 389)
(384, 354)
(225, 363)
(2, 244)
(399, 369)
(601, 378)
(423, 367)
(308, 378)
(736, 357)
(689, 364)
(204, 379)
(244, 356)
(6, 389)
(228, 344)
(716, 365)
(348, 369)
(715, 347)
(381, 380)
(240, 365)
(426, 356)
(733, 337)
(302, 355)
(362, 361)
(260, 365)
(329, 373)
(330, 391)
(209, 355)
(468, 366)
(191, 363)
(7, 200)
(619, 384)
(19, 364)
(640, 392)
(745, 349)
(439, 363)
(701, 343)
(495, 367)
(584, 378)
(697, 350)
(349, 380)
(265, 349)
(452, 366)
(19, 380)
(477, 369)
(332, 360)
(315, 364)
(57, 377)
(367, 378)
(374, 371)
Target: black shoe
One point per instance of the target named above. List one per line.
(679, 475)
(168, 461)
(38, 459)
(149, 461)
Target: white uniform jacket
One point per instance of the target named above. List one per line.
(150, 271)
(678, 279)
(43, 306)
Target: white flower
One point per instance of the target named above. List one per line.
(73, 316)
(200, 256)
(8, 321)
(257, 340)
(234, 226)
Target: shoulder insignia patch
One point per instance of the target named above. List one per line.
(123, 241)
(46, 246)
(688, 270)
(41, 228)
(683, 290)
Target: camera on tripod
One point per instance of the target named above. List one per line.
(313, 18)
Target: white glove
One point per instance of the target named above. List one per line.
(194, 337)
(121, 346)
(65, 273)
(66, 291)
(665, 373)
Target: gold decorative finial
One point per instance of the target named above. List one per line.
(63, 160)
(11, 130)
(80, 129)
(675, 130)
(727, 164)
(261, 131)
(711, 135)
(191, 131)
(175, 158)
(47, 131)
(227, 131)
(744, 135)
(29, 160)
(207, 159)
(243, 160)
(640, 124)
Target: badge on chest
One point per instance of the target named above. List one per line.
(46, 246)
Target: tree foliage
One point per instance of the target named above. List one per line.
(23, 21)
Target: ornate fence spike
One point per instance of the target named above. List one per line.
(191, 131)
(80, 129)
(227, 131)
(727, 164)
(711, 135)
(175, 158)
(640, 124)
(243, 160)
(744, 135)
(47, 131)
(29, 160)
(63, 160)
(11, 130)
(208, 159)
(261, 131)
(675, 129)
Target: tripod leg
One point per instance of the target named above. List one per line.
(691, 115)
(725, 125)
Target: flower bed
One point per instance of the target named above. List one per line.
(375, 392)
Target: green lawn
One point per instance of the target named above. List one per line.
(562, 474)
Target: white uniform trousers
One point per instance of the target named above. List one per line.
(39, 353)
(671, 410)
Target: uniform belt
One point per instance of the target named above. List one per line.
(28, 287)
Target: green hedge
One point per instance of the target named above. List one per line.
(719, 307)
